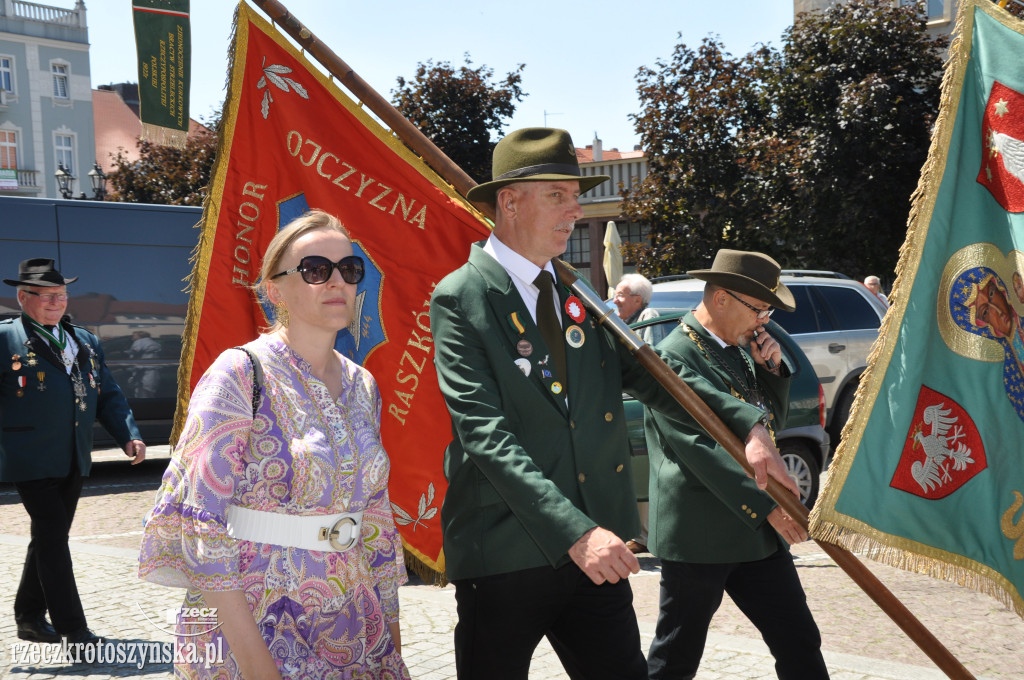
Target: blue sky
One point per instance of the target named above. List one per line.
(581, 57)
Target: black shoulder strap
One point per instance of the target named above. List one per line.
(257, 383)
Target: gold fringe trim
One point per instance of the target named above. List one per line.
(196, 281)
(825, 522)
(425, 569)
(164, 136)
(970, 574)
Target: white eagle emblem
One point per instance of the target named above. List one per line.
(941, 449)
(1012, 152)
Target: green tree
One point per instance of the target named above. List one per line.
(164, 174)
(460, 110)
(810, 152)
(856, 89)
(696, 109)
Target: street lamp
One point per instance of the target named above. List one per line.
(64, 180)
(99, 181)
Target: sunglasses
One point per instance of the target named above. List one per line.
(762, 314)
(317, 269)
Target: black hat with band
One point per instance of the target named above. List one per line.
(39, 271)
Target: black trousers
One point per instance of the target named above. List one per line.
(502, 618)
(48, 580)
(767, 591)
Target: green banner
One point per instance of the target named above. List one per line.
(8, 180)
(164, 44)
(929, 475)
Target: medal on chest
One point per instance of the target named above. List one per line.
(574, 308)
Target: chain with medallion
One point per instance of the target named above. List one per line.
(748, 390)
(76, 379)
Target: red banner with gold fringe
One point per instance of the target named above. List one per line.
(292, 140)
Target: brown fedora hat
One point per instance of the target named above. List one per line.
(39, 271)
(533, 155)
(753, 274)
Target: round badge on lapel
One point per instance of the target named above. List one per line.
(524, 366)
(524, 348)
(574, 336)
(574, 308)
(556, 387)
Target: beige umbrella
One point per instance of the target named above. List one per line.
(612, 257)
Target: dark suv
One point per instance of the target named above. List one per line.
(804, 443)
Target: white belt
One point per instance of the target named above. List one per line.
(325, 533)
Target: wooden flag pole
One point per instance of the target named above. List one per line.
(676, 386)
(710, 421)
(382, 108)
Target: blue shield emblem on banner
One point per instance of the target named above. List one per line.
(366, 331)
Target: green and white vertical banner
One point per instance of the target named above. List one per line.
(929, 475)
(164, 45)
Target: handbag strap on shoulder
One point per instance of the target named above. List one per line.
(257, 383)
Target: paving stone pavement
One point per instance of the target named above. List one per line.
(860, 642)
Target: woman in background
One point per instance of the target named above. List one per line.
(281, 521)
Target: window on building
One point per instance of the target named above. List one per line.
(577, 252)
(7, 74)
(64, 146)
(936, 8)
(60, 81)
(8, 150)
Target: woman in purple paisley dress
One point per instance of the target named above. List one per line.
(282, 521)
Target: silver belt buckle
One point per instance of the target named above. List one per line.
(331, 534)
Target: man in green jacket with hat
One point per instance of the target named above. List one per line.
(714, 529)
(54, 385)
(540, 499)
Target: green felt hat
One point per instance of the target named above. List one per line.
(753, 274)
(533, 155)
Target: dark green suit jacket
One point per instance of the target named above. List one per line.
(704, 508)
(527, 476)
(43, 429)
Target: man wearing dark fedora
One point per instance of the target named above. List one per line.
(714, 529)
(540, 499)
(53, 385)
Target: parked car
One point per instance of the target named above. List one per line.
(835, 323)
(804, 443)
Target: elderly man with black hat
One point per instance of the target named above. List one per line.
(540, 499)
(53, 385)
(715, 531)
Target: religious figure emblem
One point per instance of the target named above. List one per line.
(978, 315)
